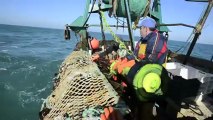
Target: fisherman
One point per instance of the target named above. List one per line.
(152, 46)
(97, 51)
(147, 85)
(110, 50)
(146, 77)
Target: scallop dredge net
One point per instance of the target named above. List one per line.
(79, 85)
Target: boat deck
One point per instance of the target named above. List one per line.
(193, 91)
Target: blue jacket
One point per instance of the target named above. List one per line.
(156, 49)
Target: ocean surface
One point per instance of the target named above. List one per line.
(30, 56)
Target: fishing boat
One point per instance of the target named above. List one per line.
(83, 88)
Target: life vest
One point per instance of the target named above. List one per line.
(161, 56)
(141, 47)
(142, 51)
(163, 50)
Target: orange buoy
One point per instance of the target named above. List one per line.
(94, 43)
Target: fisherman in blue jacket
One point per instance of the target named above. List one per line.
(152, 46)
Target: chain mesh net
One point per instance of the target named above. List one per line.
(81, 85)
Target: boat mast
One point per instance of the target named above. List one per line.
(198, 29)
(129, 25)
(101, 23)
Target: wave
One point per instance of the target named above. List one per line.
(4, 50)
(27, 97)
(8, 86)
(14, 46)
(42, 90)
(2, 42)
(3, 69)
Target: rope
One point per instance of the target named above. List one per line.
(184, 46)
(90, 12)
(145, 11)
(92, 113)
(116, 38)
(190, 37)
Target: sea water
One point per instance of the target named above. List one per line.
(30, 56)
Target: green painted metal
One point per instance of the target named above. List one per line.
(156, 14)
(107, 1)
(129, 24)
(136, 8)
(86, 9)
(79, 23)
(163, 28)
(104, 7)
(78, 26)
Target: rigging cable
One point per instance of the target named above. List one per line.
(143, 13)
(93, 4)
(190, 37)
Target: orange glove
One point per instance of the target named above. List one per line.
(126, 64)
(119, 62)
(111, 114)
